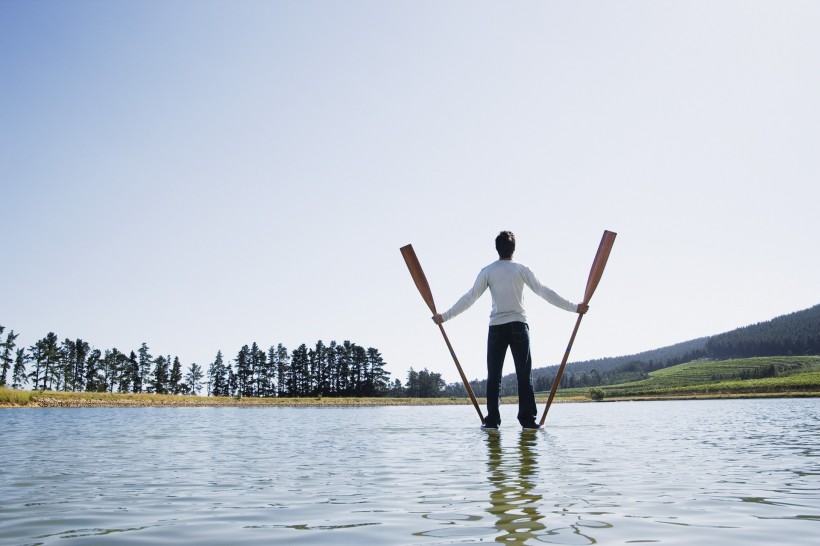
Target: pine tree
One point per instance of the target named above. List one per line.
(412, 384)
(36, 359)
(18, 376)
(175, 384)
(378, 379)
(314, 371)
(159, 378)
(332, 366)
(271, 371)
(193, 379)
(244, 373)
(78, 365)
(283, 371)
(300, 379)
(357, 369)
(218, 376)
(343, 358)
(424, 384)
(257, 368)
(322, 369)
(233, 382)
(112, 368)
(130, 373)
(72, 364)
(6, 352)
(431, 384)
(93, 377)
(267, 374)
(396, 389)
(46, 357)
(144, 362)
(67, 356)
(53, 355)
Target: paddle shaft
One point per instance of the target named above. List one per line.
(595, 273)
(414, 266)
(461, 373)
(557, 380)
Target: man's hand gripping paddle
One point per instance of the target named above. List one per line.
(592, 283)
(427, 295)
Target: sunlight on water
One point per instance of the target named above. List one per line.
(733, 472)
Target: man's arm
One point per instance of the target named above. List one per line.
(468, 299)
(550, 295)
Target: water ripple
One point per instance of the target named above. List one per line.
(741, 472)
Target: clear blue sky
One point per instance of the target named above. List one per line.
(200, 175)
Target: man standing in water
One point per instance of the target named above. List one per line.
(508, 326)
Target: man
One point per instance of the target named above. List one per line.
(508, 326)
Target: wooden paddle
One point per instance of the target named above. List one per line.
(427, 295)
(592, 283)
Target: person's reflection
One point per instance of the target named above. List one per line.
(511, 499)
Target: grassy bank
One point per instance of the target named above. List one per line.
(792, 376)
(50, 399)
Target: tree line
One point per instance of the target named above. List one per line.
(335, 370)
(73, 365)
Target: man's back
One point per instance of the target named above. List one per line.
(506, 279)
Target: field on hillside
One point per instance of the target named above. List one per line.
(748, 375)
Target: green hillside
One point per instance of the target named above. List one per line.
(797, 333)
(748, 375)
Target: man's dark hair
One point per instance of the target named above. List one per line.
(505, 244)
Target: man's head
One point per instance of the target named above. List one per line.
(505, 244)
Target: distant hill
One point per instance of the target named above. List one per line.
(794, 334)
(662, 358)
(797, 333)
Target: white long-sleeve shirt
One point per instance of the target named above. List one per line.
(506, 280)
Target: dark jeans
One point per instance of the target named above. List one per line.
(516, 336)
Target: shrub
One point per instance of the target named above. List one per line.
(14, 397)
(596, 394)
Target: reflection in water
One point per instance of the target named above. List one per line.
(515, 498)
(512, 499)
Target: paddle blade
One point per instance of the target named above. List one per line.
(418, 276)
(599, 263)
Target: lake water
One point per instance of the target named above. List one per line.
(728, 472)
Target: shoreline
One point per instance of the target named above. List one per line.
(47, 399)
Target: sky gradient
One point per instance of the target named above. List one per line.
(202, 175)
